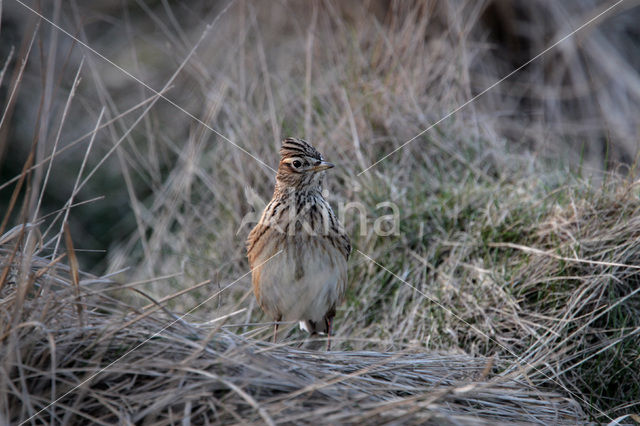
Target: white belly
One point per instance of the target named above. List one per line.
(303, 282)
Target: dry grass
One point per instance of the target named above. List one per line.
(518, 231)
(113, 363)
(583, 284)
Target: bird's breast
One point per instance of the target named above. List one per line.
(305, 279)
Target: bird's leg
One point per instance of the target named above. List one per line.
(329, 321)
(275, 330)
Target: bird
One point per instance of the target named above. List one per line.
(298, 250)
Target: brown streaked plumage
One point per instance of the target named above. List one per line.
(306, 281)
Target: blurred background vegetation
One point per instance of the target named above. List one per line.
(576, 105)
(545, 160)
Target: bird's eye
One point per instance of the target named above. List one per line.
(296, 163)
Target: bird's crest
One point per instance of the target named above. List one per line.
(292, 147)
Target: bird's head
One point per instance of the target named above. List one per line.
(301, 165)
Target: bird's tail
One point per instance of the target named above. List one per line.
(314, 327)
(323, 326)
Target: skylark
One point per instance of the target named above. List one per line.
(307, 280)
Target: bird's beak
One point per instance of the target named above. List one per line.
(322, 165)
